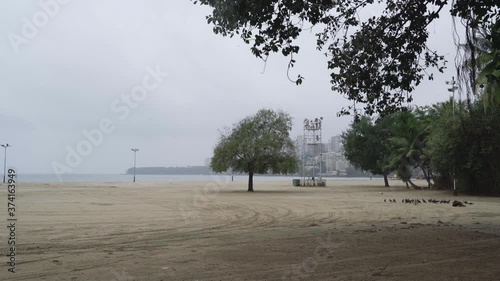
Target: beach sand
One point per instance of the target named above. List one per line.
(218, 231)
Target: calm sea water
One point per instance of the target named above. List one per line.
(152, 178)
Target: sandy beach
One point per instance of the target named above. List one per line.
(218, 231)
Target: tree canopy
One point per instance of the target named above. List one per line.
(377, 60)
(366, 146)
(257, 144)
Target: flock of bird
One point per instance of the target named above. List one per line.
(455, 203)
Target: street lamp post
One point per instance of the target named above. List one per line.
(453, 88)
(320, 167)
(5, 146)
(135, 152)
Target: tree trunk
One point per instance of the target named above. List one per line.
(427, 177)
(407, 185)
(413, 185)
(430, 184)
(431, 177)
(386, 181)
(250, 182)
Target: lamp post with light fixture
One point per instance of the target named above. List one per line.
(5, 146)
(135, 153)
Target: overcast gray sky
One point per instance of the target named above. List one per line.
(73, 71)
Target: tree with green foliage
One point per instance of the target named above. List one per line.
(479, 72)
(489, 67)
(443, 141)
(478, 154)
(374, 60)
(366, 146)
(258, 144)
(409, 145)
(466, 145)
(463, 133)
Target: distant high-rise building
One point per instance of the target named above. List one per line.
(336, 144)
(335, 162)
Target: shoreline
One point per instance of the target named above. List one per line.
(106, 178)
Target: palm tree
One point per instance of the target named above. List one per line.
(409, 146)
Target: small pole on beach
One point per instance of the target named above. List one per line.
(5, 160)
(135, 152)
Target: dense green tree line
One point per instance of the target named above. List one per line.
(438, 142)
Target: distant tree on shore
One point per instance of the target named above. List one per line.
(193, 170)
(257, 144)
